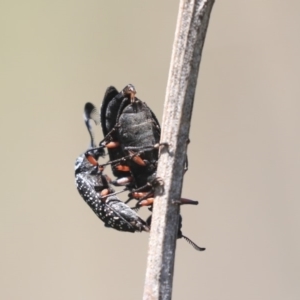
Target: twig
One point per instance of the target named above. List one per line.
(192, 23)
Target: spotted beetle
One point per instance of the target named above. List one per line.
(94, 188)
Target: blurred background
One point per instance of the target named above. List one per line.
(244, 151)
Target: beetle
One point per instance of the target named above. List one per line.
(131, 129)
(132, 137)
(114, 121)
(94, 188)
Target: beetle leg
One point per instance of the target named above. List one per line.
(122, 168)
(185, 201)
(93, 161)
(145, 202)
(146, 148)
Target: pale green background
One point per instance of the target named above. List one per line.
(244, 151)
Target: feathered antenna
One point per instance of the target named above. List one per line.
(192, 243)
(180, 235)
(91, 113)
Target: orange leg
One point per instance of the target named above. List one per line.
(122, 168)
(146, 202)
(94, 162)
(112, 145)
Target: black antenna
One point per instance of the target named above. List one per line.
(192, 243)
(180, 235)
(91, 113)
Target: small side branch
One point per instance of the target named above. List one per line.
(192, 23)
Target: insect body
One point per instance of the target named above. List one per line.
(132, 134)
(133, 130)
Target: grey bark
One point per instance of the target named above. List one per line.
(192, 23)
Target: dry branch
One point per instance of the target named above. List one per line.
(192, 23)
